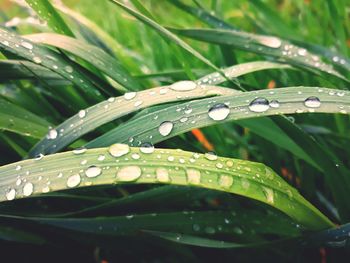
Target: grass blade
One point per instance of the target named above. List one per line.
(48, 13)
(159, 167)
(92, 54)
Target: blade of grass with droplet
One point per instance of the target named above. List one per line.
(47, 12)
(266, 45)
(16, 119)
(18, 69)
(243, 227)
(291, 100)
(121, 51)
(49, 59)
(215, 22)
(160, 166)
(92, 54)
(118, 107)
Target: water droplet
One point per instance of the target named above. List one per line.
(165, 128)
(101, 157)
(129, 95)
(193, 176)
(273, 42)
(162, 175)
(211, 156)
(196, 227)
(73, 180)
(93, 171)
(37, 60)
(135, 156)
(209, 230)
(82, 113)
(39, 157)
(27, 45)
(184, 85)
(28, 189)
(46, 189)
(11, 194)
(80, 150)
(68, 69)
(225, 181)
(118, 149)
(312, 102)
(302, 51)
(237, 230)
(52, 134)
(274, 104)
(219, 112)
(269, 195)
(259, 105)
(18, 167)
(129, 173)
(147, 148)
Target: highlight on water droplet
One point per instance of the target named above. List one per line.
(129, 95)
(93, 171)
(272, 42)
(162, 175)
(193, 176)
(312, 102)
(211, 156)
(165, 128)
(118, 149)
(11, 194)
(274, 104)
(129, 173)
(184, 85)
(52, 134)
(28, 189)
(259, 105)
(225, 181)
(268, 192)
(219, 112)
(73, 180)
(82, 114)
(147, 148)
(79, 150)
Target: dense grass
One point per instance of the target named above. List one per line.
(278, 182)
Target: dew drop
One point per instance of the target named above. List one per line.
(68, 69)
(129, 173)
(38, 157)
(118, 149)
(269, 195)
(184, 85)
(11, 194)
(165, 128)
(274, 104)
(27, 45)
(273, 42)
(93, 171)
(259, 105)
(312, 102)
(52, 134)
(219, 112)
(73, 180)
(37, 60)
(225, 181)
(28, 189)
(147, 148)
(162, 175)
(82, 113)
(193, 176)
(302, 52)
(211, 156)
(80, 150)
(135, 156)
(129, 95)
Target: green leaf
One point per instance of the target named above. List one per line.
(92, 54)
(145, 165)
(16, 119)
(266, 45)
(118, 107)
(47, 12)
(49, 59)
